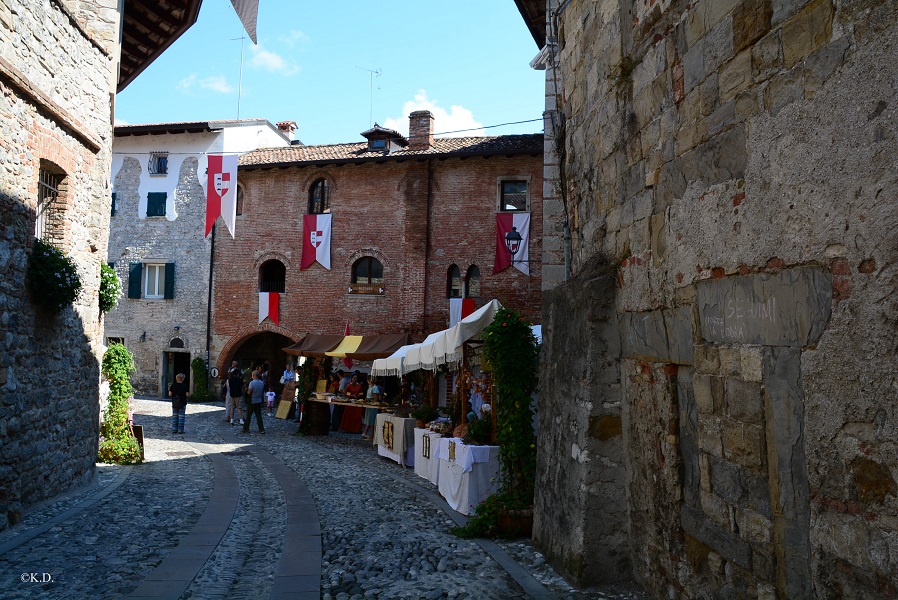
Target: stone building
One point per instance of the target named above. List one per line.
(413, 224)
(720, 419)
(59, 71)
(157, 243)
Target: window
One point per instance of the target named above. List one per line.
(176, 343)
(239, 199)
(472, 282)
(454, 283)
(377, 144)
(156, 204)
(513, 195)
(49, 186)
(115, 340)
(272, 276)
(154, 281)
(319, 197)
(158, 164)
(113, 205)
(367, 276)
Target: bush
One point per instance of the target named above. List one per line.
(53, 277)
(200, 381)
(117, 442)
(110, 288)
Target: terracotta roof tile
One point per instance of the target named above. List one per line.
(359, 152)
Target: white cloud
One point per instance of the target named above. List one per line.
(118, 122)
(271, 61)
(214, 83)
(455, 119)
(293, 38)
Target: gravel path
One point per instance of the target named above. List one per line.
(381, 532)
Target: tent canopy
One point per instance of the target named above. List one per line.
(442, 347)
(355, 347)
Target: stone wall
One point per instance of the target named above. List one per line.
(148, 326)
(56, 76)
(733, 161)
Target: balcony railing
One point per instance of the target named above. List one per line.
(272, 286)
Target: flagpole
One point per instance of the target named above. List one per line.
(240, 80)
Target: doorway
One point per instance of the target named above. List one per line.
(175, 362)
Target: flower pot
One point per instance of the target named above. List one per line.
(516, 523)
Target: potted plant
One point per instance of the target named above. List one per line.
(424, 414)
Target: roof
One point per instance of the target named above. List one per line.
(149, 27)
(534, 13)
(503, 145)
(189, 127)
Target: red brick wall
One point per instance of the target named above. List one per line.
(417, 217)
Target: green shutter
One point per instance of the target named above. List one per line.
(169, 292)
(156, 204)
(113, 204)
(135, 278)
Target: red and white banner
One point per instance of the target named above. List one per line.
(269, 304)
(248, 13)
(459, 308)
(221, 191)
(316, 241)
(520, 258)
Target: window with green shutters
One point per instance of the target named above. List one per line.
(156, 204)
(152, 281)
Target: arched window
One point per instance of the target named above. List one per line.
(472, 282)
(367, 276)
(51, 191)
(176, 343)
(319, 197)
(272, 276)
(454, 286)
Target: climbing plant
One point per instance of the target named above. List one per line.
(306, 386)
(117, 442)
(511, 351)
(200, 381)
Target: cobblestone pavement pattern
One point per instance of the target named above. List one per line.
(382, 533)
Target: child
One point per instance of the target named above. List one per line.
(178, 392)
(269, 397)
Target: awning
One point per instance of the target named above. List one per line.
(355, 347)
(440, 348)
(315, 345)
(348, 345)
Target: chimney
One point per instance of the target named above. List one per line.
(287, 128)
(420, 130)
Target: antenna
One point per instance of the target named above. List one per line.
(372, 73)
(240, 83)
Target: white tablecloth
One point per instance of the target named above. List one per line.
(427, 446)
(466, 487)
(402, 447)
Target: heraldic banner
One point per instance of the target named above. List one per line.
(269, 306)
(316, 241)
(520, 258)
(221, 191)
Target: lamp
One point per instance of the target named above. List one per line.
(513, 241)
(143, 337)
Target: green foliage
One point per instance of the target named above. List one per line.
(479, 431)
(425, 412)
(306, 387)
(110, 288)
(511, 350)
(53, 277)
(200, 381)
(117, 442)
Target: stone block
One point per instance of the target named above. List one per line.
(705, 472)
(605, 427)
(753, 527)
(783, 90)
(661, 335)
(718, 44)
(693, 67)
(735, 76)
(709, 439)
(743, 443)
(767, 56)
(718, 9)
(790, 308)
(717, 510)
(741, 487)
(751, 359)
(717, 538)
(722, 118)
(730, 360)
(703, 398)
(744, 401)
(780, 10)
(807, 31)
(706, 358)
(751, 22)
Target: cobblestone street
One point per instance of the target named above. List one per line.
(220, 514)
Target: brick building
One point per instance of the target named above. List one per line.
(414, 223)
(61, 62)
(156, 239)
(721, 421)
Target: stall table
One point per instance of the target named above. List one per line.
(318, 412)
(427, 445)
(395, 438)
(468, 474)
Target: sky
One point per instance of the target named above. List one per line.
(337, 66)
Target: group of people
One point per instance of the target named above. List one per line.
(254, 394)
(355, 385)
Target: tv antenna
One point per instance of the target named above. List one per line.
(372, 74)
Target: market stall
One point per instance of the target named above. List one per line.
(394, 438)
(427, 463)
(467, 474)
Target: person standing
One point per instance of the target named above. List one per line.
(254, 406)
(269, 401)
(178, 392)
(370, 418)
(235, 390)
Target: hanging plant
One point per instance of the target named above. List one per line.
(512, 352)
(53, 277)
(110, 288)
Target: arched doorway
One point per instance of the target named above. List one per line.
(259, 349)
